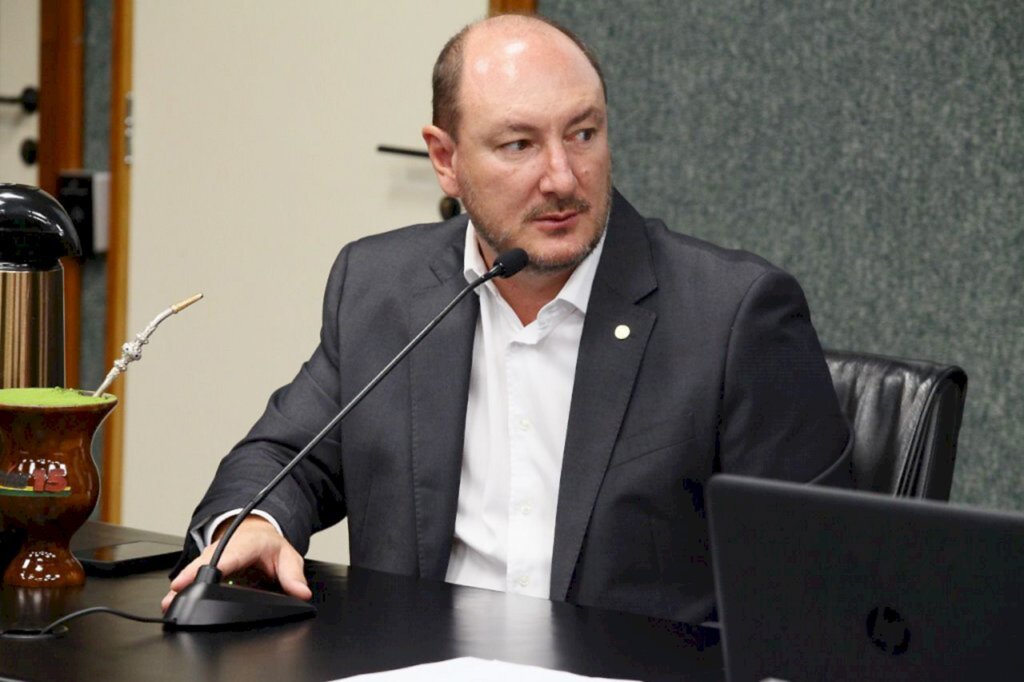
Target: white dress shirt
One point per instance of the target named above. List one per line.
(519, 394)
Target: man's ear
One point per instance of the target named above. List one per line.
(441, 148)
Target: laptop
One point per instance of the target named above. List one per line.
(816, 583)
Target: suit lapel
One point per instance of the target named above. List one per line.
(439, 372)
(606, 371)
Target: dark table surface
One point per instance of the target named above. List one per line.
(367, 621)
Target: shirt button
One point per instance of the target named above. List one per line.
(524, 424)
(524, 580)
(525, 509)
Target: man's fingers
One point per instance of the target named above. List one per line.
(244, 550)
(230, 562)
(290, 575)
(165, 603)
(257, 543)
(188, 574)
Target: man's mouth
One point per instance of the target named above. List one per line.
(554, 217)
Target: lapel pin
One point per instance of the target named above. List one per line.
(622, 332)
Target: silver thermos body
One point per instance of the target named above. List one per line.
(31, 326)
(35, 232)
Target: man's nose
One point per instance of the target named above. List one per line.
(559, 178)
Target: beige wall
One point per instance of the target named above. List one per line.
(256, 125)
(19, 67)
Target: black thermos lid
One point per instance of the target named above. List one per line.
(35, 231)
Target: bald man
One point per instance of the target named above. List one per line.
(552, 437)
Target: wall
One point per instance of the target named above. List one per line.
(874, 149)
(254, 162)
(19, 68)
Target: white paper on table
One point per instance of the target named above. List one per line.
(473, 670)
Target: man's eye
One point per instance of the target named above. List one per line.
(515, 145)
(585, 135)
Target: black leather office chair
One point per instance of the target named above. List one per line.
(905, 416)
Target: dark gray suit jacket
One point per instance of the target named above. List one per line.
(722, 371)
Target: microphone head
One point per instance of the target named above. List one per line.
(511, 262)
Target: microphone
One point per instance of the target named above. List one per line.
(507, 264)
(207, 604)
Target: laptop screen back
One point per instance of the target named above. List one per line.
(816, 583)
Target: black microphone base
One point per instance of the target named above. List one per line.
(213, 606)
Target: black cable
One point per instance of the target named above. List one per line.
(97, 609)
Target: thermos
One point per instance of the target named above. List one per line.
(35, 232)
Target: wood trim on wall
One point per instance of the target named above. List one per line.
(117, 256)
(512, 7)
(61, 28)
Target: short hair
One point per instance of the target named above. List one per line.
(448, 73)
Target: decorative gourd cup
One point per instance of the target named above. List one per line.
(48, 481)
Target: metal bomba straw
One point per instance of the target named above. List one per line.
(132, 350)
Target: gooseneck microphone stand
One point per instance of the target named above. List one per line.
(209, 604)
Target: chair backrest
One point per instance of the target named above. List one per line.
(905, 416)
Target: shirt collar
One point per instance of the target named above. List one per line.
(576, 290)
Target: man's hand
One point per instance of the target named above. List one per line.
(258, 544)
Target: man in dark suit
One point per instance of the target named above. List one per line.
(555, 434)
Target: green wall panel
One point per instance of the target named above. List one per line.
(873, 149)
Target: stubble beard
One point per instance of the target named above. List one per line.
(500, 239)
